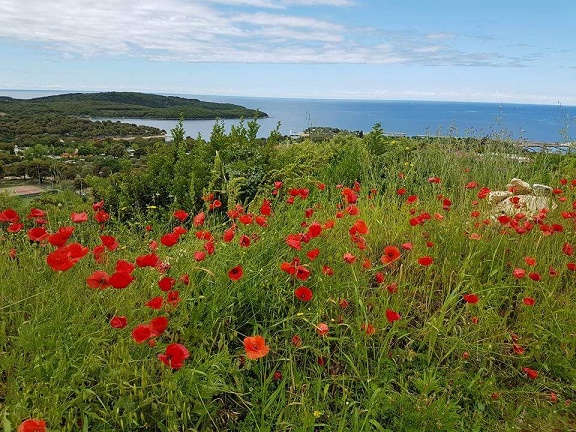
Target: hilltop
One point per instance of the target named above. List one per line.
(125, 104)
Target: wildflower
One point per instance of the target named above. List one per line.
(181, 215)
(32, 425)
(465, 355)
(98, 280)
(531, 373)
(174, 355)
(327, 270)
(517, 348)
(343, 303)
(568, 249)
(255, 347)
(245, 241)
(296, 341)
(528, 301)
(425, 260)
(470, 298)
(155, 303)
(392, 316)
(530, 261)
(535, 276)
(118, 322)
(166, 283)
(379, 278)
(79, 217)
(391, 254)
(369, 329)
(322, 329)
(518, 273)
(474, 320)
(303, 293)
(235, 273)
(199, 219)
(170, 239)
(150, 260)
(349, 258)
(37, 234)
(120, 280)
(141, 333)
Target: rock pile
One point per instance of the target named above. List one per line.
(520, 197)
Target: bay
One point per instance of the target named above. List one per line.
(541, 123)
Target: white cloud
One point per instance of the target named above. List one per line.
(236, 31)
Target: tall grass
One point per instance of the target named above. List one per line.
(444, 365)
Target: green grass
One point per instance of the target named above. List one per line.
(62, 361)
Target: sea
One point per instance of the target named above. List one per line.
(523, 122)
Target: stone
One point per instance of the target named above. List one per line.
(519, 187)
(541, 190)
(495, 197)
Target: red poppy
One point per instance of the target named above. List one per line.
(568, 249)
(391, 254)
(392, 316)
(14, 227)
(110, 242)
(302, 273)
(235, 273)
(181, 215)
(244, 241)
(314, 230)
(535, 276)
(98, 280)
(155, 303)
(327, 270)
(531, 373)
(173, 298)
(246, 219)
(425, 260)
(170, 239)
(32, 425)
(296, 341)
(101, 216)
(411, 199)
(471, 185)
(209, 247)
(471, 298)
(150, 260)
(517, 348)
(118, 322)
(528, 301)
(121, 280)
(166, 283)
(474, 320)
(158, 325)
(174, 355)
(228, 235)
(60, 260)
(571, 266)
(349, 258)
(322, 329)
(37, 234)
(199, 219)
(124, 266)
(343, 303)
(9, 215)
(303, 293)
(255, 347)
(369, 329)
(518, 273)
(530, 261)
(141, 333)
(79, 217)
(401, 191)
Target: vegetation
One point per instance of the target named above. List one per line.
(354, 284)
(124, 104)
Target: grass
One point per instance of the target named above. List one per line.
(444, 365)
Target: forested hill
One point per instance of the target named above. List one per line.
(125, 104)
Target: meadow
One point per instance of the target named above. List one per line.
(365, 285)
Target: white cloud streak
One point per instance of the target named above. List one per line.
(234, 31)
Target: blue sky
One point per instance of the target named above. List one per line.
(465, 50)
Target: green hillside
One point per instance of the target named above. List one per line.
(126, 104)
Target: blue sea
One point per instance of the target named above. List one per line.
(541, 123)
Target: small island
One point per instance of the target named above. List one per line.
(126, 105)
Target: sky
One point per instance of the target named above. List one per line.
(443, 50)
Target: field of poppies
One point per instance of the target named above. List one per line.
(397, 301)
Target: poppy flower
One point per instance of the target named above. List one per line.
(535, 276)
(15, 227)
(209, 247)
(401, 191)
(568, 249)
(343, 303)
(391, 254)
(327, 270)
(313, 254)
(173, 298)
(228, 235)
(531, 373)
(302, 273)
(37, 234)
(60, 260)
(101, 216)
(150, 260)
(141, 333)
(530, 261)
(158, 325)
(571, 266)
(349, 258)
(170, 239)
(199, 219)
(392, 288)
(155, 303)
(470, 298)
(369, 329)
(118, 322)
(235, 273)
(392, 316)
(425, 260)
(245, 241)
(166, 283)
(518, 273)
(98, 280)
(9, 215)
(124, 266)
(528, 301)
(32, 425)
(121, 280)
(110, 242)
(255, 347)
(174, 355)
(181, 215)
(296, 341)
(471, 185)
(199, 256)
(303, 293)
(517, 348)
(322, 329)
